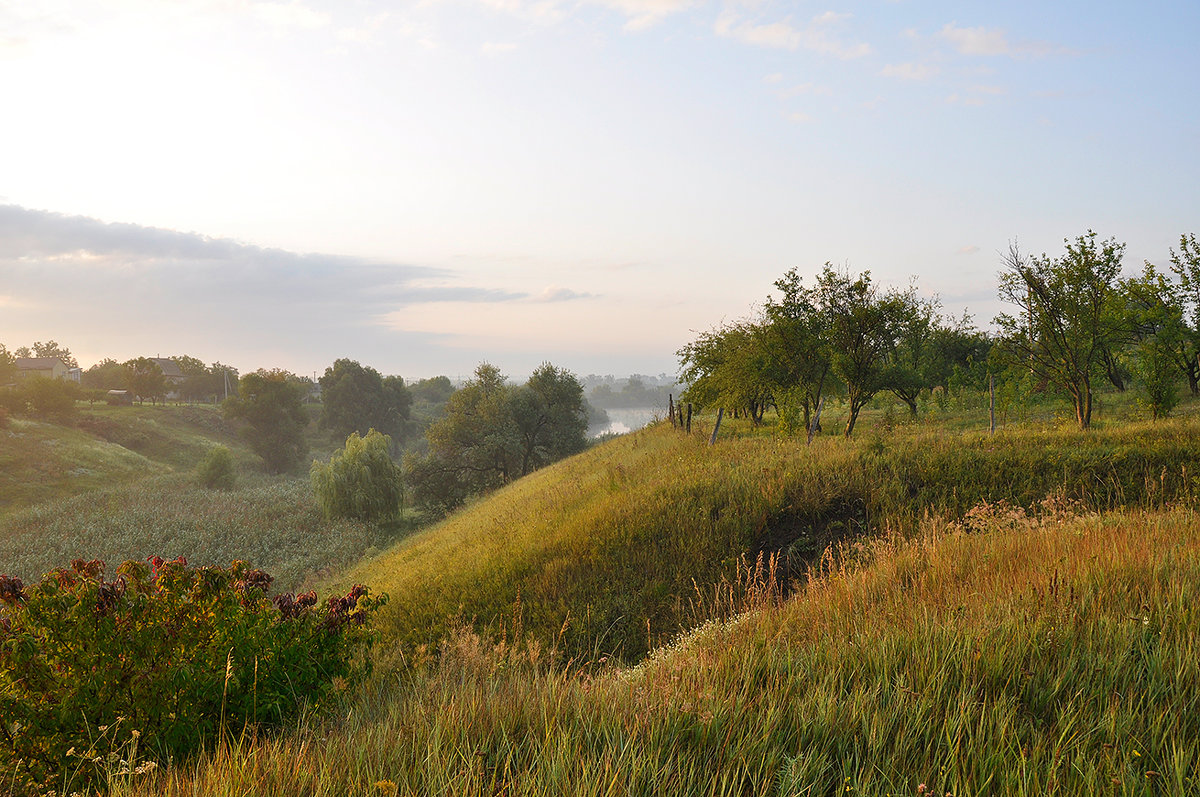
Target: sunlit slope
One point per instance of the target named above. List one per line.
(1024, 657)
(604, 552)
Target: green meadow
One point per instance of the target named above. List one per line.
(925, 608)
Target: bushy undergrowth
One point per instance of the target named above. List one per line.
(602, 551)
(160, 659)
(1019, 653)
(273, 523)
(216, 471)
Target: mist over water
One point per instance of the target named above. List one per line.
(622, 421)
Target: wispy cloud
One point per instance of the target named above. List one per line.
(983, 41)
(555, 294)
(497, 48)
(784, 35)
(910, 71)
(643, 14)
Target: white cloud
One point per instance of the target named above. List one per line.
(799, 118)
(909, 71)
(970, 249)
(497, 48)
(643, 14)
(786, 36)
(290, 15)
(994, 41)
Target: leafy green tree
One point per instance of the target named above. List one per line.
(551, 417)
(1072, 315)
(108, 374)
(435, 390)
(361, 481)
(1185, 264)
(797, 348)
(492, 433)
(272, 404)
(355, 398)
(145, 379)
(863, 328)
(730, 367)
(1155, 315)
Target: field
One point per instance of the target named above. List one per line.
(922, 609)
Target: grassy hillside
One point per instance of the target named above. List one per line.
(604, 553)
(1056, 655)
(102, 447)
(117, 484)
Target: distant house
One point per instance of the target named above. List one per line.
(45, 367)
(173, 376)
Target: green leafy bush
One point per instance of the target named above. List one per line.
(165, 656)
(216, 471)
(361, 481)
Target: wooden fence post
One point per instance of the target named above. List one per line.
(717, 425)
(689, 420)
(671, 408)
(992, 404)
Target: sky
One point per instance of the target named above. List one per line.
(423, 186)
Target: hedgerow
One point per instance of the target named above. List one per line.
(162, 659)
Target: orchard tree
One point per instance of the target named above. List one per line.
(8, 366)
(1185, 264)
(864, 328)
(729, 367)
(51, 349)
(272, 405)
(1072, 315)
(798, 355)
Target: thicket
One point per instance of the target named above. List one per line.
(216, 471)
(361, 481)
(42, 398)
(157, 662)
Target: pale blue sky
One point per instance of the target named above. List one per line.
(421, 186)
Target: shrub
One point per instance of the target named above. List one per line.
(215, 471)
(361, 481)
(165, 653)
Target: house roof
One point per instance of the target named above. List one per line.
(168, 366)
(38, 363)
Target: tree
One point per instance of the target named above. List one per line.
(729, 367)
(145, 379)
(492, 433)
(355, 398)
(8, 366)
(361, 481)
(272, 404)
(1186, 266)
(798, 348)
(108, 374)
(52, 349)
(1071, 315)
(1155, 309)
(551, 418)
(863, 330)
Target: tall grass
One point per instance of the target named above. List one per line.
(272, 523)
(611, 543)
(1028, 656)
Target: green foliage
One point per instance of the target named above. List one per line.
(361, 481)
(52, 399)
(145, 379)
(166, 653)
(492, 433)
(1072, 315)
(8, 366)
(356, 399)
(216, 471)
(271, 403)
(108, 374)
